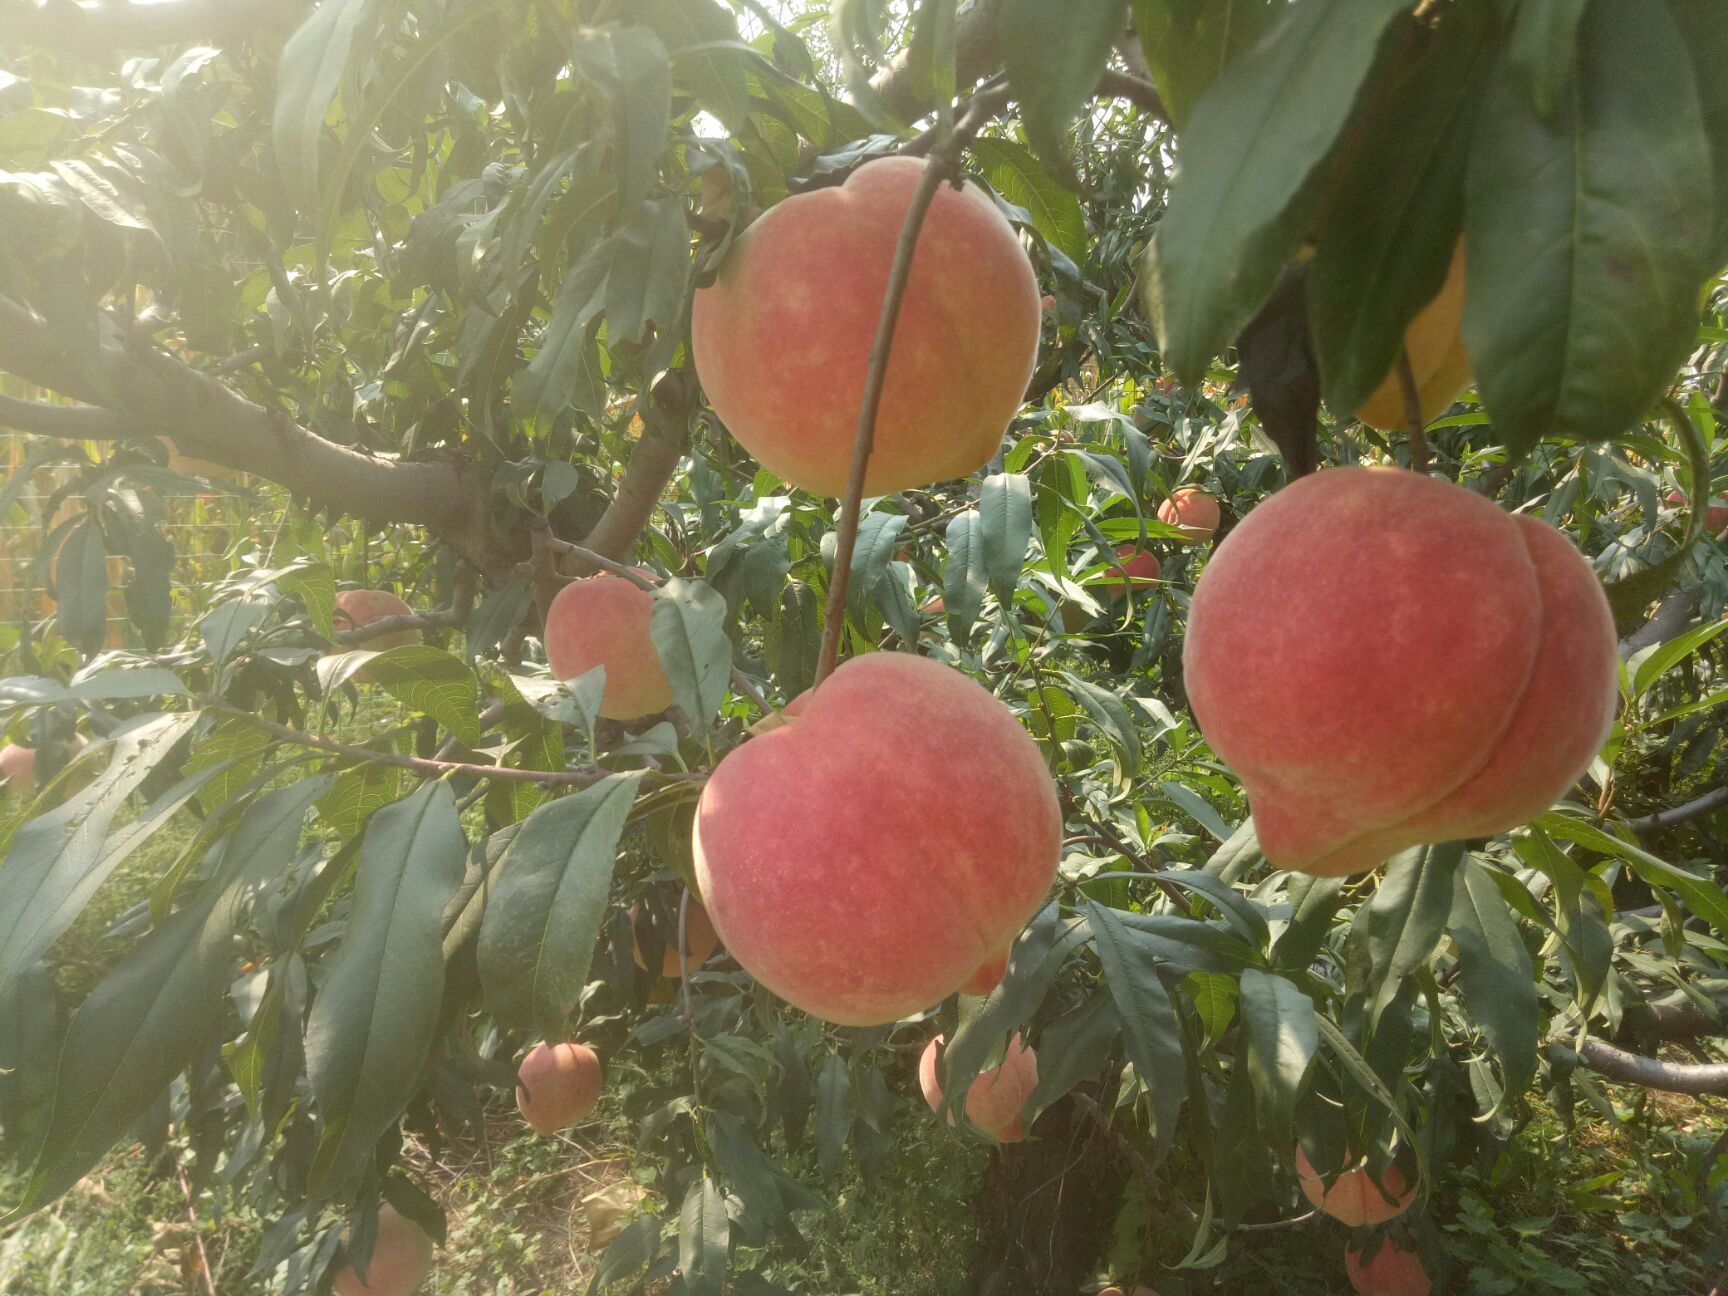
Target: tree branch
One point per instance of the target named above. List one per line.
(975, 57)
(439, 768)
(1672, 615)
(151, 393)
(1648, 1072)
(666, 421)
(73, 422)
(1681, 813)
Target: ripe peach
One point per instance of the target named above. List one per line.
(560, 1085)
(18, 768)
(700, 941)
(782, 337)
(1394, 1271)
(1438, 360)
(1354, 1197)
(1193, 510)
(356, 608)
(987, 976)
(607, 621)
(1140, 570)
(401, 1259)
(1715, 519)
(1386, 659)
(866, 857)
(997, 1097)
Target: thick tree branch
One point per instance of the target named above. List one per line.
(1672, 615)
(666, 419)
(1673, 1017)
(1651, 1073)
(151, 393)
(73, 422)
(1681, 813)
(975, 57)
(102, 28)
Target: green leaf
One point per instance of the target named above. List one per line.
(647, 268)
(1313, 903)
(690, 29)
(1494, 974)
(81, 587)
(549, 904)
(1149, 1026)
(1704, 897)
(154, 1012)
(1196, 807)
(307, 77)
(1544, 51)
(872, 551)
(963, 575)
(930, 54)
(1588, 239)
(1389, 237)
(1407, 916)
(1706, 39)
(126, 682)
(1005, 530)
(58, 860)
(629, 1251)
(1112, 717)
(833, 1114)
(1013, 171)
(1188, 45)
(1654, 662)
(1053, 55)
(1074, 1050)
(1282, 1036)
(1246, 194)
(372, 1023)
(630, 67)
(433, 682)
(358, 792)
(703, 1237)
(689, 629)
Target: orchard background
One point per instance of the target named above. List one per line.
(409, 285)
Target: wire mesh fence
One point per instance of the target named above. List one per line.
(203, 520)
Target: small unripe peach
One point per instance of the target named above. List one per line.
(1387, 660)
(18, 768)
(401, 1259)
(1140, 570)
(1394, 1271)
(782, 338)
(700, 941)
(866, 857)
(1194, 511)
(560, 1083)
(607, 621)
(1354, 1197)
(996, 1099)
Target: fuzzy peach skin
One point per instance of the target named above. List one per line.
(996, 1099)
(18, 768)
(700, 941)
(607, 621)
(1715, 517)
(987, 976)
(782, 337)
(1394, 1271)
(560, 1083)
(356, 608)
(1193, 510)
(1353, 1197)
(1434, 341)
(1387, 659)
(1140, 570)
(867, 857)
(401, 1259)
